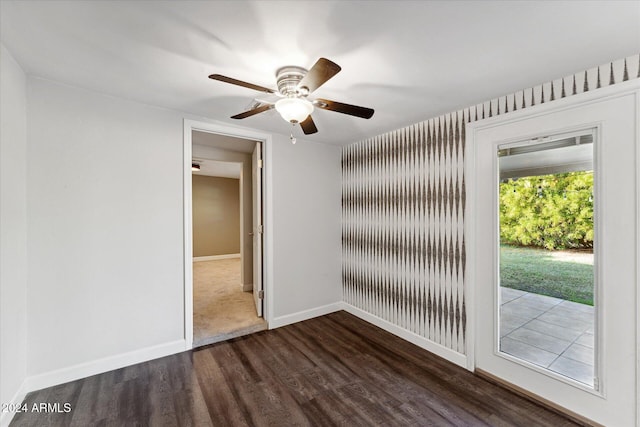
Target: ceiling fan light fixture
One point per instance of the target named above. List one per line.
(294, 110)
(195, 167)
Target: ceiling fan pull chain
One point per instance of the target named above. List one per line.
(292, 138)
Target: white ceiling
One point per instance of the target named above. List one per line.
(409, 60)
(218, 169)
(223, 142)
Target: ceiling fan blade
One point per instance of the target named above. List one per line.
(252, 112)
(308, 126)
(240, 83)
(321, 71)
(339, 107)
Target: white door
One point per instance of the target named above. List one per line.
(613, 399)
(256, 166)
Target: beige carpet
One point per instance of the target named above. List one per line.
(221, 310)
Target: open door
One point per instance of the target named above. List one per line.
(256, 166)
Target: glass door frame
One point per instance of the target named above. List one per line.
(593, 130)
(614, 111)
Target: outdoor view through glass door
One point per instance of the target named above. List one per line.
(546, 255)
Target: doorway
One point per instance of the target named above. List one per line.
(547, 278)
(590, 350)
(224, 216)
(223, 305)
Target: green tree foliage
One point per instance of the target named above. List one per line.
(548, 211)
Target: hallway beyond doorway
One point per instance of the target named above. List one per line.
(221, 310)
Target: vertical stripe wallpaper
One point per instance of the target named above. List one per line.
(403, 211)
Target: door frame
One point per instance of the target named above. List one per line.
(596, 129)
(267, 204)
(257, 229)
(632, 88)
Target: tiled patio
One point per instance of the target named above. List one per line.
(549, 332)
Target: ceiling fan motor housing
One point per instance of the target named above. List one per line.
(288, 79)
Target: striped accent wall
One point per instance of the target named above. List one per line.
(403, 211)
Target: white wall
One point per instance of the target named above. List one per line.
(105, 185)
(13, 229)
(307, 227)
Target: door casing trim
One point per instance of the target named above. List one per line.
(631, 87)
(267, 202)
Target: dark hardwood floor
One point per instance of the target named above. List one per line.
(332, 370)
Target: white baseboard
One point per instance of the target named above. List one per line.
(83, 370)
(304, 315)
(87, 369)
(247, 287)
(444, 352)
(215, 257)
(6, 417)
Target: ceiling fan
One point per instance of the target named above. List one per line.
(295, 84)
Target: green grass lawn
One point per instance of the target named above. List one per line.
(537, 271)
